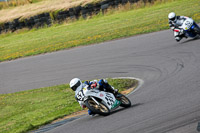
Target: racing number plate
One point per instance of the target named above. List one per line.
(188, 24)
(80, 95)
(109, 99)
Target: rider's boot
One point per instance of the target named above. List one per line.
(115, 92)
(90, 112)
(118, 95)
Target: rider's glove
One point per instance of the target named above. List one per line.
(94, 85)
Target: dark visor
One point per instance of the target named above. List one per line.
(76, 86)
(172, 19)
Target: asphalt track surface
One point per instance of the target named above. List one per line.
(168, 101)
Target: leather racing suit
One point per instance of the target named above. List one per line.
(176, 24)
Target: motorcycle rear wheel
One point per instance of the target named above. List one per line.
(125, 102)
(100, 109)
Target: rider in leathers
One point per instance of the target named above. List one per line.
(175, 22)
(76, 85)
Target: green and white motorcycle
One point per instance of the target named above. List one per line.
(100, 102)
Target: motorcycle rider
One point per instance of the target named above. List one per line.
(76, 85)
(175, 22)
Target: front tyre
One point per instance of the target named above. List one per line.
(100, 109)
(125, 102)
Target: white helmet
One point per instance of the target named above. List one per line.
(172, 16)
(75, 83)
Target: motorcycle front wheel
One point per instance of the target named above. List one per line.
(100, 109)
(125, 102)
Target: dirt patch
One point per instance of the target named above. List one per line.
(29, 10)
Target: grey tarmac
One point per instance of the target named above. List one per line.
(167, 102)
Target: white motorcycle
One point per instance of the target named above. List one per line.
(189, 28)
(100, 102)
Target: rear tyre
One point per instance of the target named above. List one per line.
(100, 109)
(125, 102)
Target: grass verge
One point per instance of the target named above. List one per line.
(115, 24)
(27, 110)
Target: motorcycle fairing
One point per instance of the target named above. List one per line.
(107, 98)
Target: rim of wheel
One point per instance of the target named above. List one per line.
(93, 104)
(124, 100)
(100, 107)
(103, 108)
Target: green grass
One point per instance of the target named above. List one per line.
(98, 29)
(27, 110)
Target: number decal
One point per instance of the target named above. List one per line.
(188, 24)
(110, 100)
(80, 96)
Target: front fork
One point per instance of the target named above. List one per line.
(95, 101)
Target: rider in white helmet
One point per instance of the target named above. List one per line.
(175, 22)
(76, 85)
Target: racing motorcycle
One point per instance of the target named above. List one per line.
(189, 28)
(101, 102)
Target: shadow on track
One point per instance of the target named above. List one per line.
(190, 40)
(115, 111)
(121, 109)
